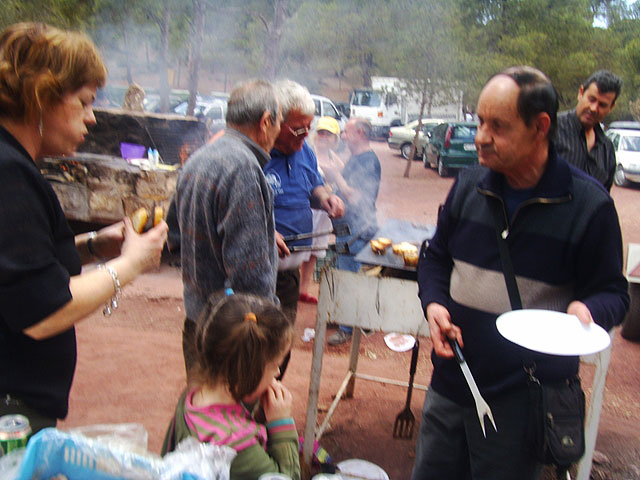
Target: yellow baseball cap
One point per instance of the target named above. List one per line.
(329, 124)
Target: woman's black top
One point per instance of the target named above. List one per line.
(37, 259)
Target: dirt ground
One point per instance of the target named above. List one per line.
(130, 366)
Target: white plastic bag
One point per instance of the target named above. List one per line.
(204, 460)
(10, 464)
(131, 437)
(51, 452)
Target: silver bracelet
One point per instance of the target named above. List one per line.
(112, 304)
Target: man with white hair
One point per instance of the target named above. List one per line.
(297, 186)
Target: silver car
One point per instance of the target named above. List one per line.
(626, 144)
(400, 138)
(212, 111)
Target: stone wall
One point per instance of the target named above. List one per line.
(103, 189)
(98, 186)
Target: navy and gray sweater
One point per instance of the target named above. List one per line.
(224, 208)
(565, 244)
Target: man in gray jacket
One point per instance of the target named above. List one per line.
(224, 208)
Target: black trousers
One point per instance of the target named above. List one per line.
(288, 291)
(189, 348)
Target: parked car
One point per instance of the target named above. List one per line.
(626, 143)
(220, 95)
(452, 146)
(326, 108)
(176, 97)
(401, 138)
(626, 125)
(212, 111)
(343, 108)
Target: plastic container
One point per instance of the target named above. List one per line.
(51, 452)
(132, 150)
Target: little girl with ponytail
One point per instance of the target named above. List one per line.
(241, 340)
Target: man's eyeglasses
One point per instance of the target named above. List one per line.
(299, 131)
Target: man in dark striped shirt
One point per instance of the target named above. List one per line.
(580, 139)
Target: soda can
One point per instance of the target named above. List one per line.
(14, 433)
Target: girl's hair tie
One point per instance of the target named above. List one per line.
(250, 317)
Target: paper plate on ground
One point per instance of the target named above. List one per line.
(399, 342)
(356, 469)
(555, 333)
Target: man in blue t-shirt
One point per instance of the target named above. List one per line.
(358, 184)
(297, 186)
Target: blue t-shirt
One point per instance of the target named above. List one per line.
(362, 172)
(293, 178)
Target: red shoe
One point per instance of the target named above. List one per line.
(306, 298)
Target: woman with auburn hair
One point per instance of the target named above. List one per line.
(48, 82)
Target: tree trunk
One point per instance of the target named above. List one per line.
(127, 63)
(164, 56)
(366, 64)
(274, 35)
(412, 153)
(195, 53)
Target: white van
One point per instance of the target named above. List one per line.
(326, 108)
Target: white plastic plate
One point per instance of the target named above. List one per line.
(399, 342)
(555, 333)
(361, 469)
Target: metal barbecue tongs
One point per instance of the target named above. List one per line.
(482, 407)
(341, 230)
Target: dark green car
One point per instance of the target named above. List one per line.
(451, 146)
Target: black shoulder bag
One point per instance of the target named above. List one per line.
(555, 431)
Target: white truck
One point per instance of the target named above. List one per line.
(388, 104)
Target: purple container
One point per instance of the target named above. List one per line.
(132, 150)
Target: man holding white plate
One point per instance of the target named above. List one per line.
(563, 237)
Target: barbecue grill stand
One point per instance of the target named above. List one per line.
(362, 301)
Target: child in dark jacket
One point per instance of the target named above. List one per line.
(240, 342)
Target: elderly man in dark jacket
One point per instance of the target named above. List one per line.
(556, 222)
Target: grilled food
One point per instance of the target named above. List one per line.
(402, 247)
(139, 219)
(158, 214)
(377, 247)
(142, 221)
(410, 258)
(385, 242)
